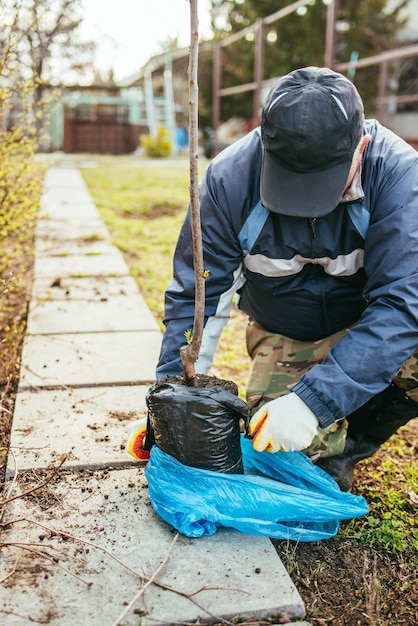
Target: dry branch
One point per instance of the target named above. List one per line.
(43, 483)
(57, 532)
(148, 583)
(32, 547)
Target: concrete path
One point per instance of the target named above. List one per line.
(87, 549)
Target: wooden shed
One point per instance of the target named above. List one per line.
(96, 120)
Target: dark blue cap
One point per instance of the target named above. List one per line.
(311, 124)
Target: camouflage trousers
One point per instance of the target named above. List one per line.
(278, 362)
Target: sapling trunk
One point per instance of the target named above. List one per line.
(190, 352)
(195, 418)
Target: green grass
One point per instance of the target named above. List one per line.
(392, 520)
(144, 207)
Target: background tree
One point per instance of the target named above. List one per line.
(47, 44)
(366, 27)
(20, 191)
(48, 39)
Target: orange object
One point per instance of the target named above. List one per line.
(136, 435)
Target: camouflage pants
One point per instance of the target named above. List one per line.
(278, 362)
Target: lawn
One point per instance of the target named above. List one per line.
(144, 204)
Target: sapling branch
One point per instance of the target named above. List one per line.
(190, 352)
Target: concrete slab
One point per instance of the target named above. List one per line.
(120, 313)
(229, 575)
(57, 230)
(64, 178)
(77, 193)
(69, 210)
(73, 197)
(48, 247)
(81, 265)
(89, 359)
(88, 288)
(66, 200)
(89, 385)
(88, 425)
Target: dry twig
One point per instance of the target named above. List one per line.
(43, 483)
(31, 547)
(148, 583)
(4, 394)
(13, 570)
(11, 486)
(62, 533)
(5, 286)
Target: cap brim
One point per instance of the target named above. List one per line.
(311, 194)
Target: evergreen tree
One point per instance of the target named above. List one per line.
(364, 28)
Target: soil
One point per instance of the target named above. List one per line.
(342, 582)
(203, 381)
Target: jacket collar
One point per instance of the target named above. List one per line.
(355, 191)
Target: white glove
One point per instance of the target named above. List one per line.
(285, 423)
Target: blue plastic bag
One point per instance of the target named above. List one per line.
(282, 496)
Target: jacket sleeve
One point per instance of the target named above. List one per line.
(369, 356)
(222, 260)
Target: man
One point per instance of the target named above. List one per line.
(312, 219)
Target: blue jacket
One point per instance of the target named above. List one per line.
(308, 278)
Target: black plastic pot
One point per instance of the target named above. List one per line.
(199, 426)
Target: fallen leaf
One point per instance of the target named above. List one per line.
(413, 497)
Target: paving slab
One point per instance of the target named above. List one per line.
(86, 288)
(68, 212)
(63, 229)
(59, 203)
(81, 265)
(229, 575)
(120, 313)
(66, 178)
(89, 359)
(67, 194)
(73, 197)
(87, 425)
(48, 247)
(67, 209)
(77, 391)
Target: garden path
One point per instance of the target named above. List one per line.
(80, 550)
